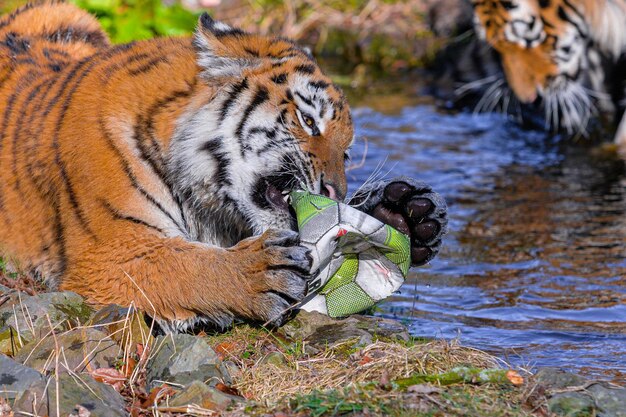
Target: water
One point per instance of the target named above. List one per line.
(534, 267)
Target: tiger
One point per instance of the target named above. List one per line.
(565, 55)
(156, 174)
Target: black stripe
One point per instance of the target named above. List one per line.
(235, 91)
(269, 133)
(564, 16)
(59, 234)
(16, 43)
(31, 151)
(49, 53)
(321, 84)
(69, 188)
(306, 100)
(131, 175)
(323, 109)
(8, 111)
(261, 96)
(151, 153)
(150, 65)
(214, 148)
(281, 117)
(144, 132)
(275, 144)
(110, 69)
(280, 78)
(72, 34)
(229, 32)
(251, 51)
(19, 127)
(74, 76)
(305, 69)
(24, 61)
(569, 4)
(118, 215)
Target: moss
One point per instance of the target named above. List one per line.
(11, 341)
(74, 310)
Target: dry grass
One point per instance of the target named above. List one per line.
(270, 368)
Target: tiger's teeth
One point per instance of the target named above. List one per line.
(286, 198)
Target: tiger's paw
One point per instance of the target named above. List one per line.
(276, 271)
(411, 207)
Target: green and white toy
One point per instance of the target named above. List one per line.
(358, 260)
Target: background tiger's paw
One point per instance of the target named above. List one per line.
(411, 207)
(276, 276)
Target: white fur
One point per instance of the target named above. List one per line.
(608, 26)
(217, 66)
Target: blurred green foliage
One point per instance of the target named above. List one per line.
(128, 20)
(368, 38)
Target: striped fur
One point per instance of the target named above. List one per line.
(565, 53)
(135, 174)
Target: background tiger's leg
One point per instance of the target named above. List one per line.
(620, 138)
(181, 283)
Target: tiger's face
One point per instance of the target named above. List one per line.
(267, 122)
(548, 55)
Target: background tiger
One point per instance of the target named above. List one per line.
(144, 173)
(565, 55)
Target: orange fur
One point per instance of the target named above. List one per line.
(73, 190)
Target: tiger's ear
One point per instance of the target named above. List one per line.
(221, 49)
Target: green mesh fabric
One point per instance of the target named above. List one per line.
(347, 299)
(309, 205)
(346, 274)
(337, 236)
(401, 244)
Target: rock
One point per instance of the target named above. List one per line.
(583, 398)
(321, 331)
(26, 314)
(16, 378)
(553, 378)
(80, 349)
(125, 325)
(571, 405)
(205, 396)
(99, 399)
(611, 401)
(182, 359)
(274, 358)
(11, 341)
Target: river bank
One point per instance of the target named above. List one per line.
(108, 362)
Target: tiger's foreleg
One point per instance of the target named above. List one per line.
(181, 283)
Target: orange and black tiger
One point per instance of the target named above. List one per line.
(156, 173)
(567, 56)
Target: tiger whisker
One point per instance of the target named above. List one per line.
(487, 97)
(467, 87)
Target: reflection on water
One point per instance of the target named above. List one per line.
(534, 268)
